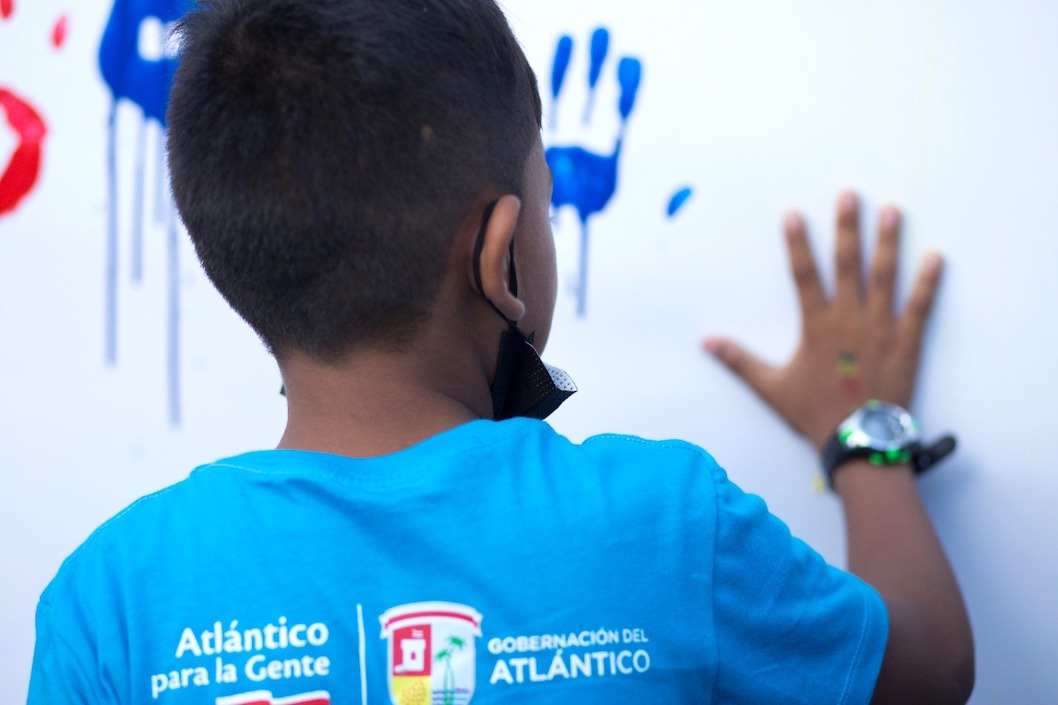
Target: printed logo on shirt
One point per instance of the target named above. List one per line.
(238, 656)
(588, 653)
(430, 652)
(264, 697)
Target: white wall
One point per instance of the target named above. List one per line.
(945, 108)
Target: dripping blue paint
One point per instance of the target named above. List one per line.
(583, 179)
(145, 83)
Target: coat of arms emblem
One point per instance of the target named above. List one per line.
(430, 655)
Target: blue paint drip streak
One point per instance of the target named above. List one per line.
(175, 406)
(582, 285)
(161, 200)
(110, 302)
(140, 196)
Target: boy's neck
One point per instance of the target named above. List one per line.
(378, 402)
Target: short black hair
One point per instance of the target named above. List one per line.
(324, 152)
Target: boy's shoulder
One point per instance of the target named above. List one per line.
(205, 500)
(638, 448)
(103, 541)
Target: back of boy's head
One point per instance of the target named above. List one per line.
(324, 152)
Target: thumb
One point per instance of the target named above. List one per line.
(747, 366)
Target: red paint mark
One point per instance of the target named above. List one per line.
(853, 388)
(20, 175)
(58, 33)
(6, 8)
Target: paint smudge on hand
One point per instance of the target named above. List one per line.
(849, 372)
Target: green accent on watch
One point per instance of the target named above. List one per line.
(893, 457)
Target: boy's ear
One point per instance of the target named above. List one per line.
(495, 260)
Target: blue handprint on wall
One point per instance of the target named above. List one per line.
(143, 81)
(583, 179)
(130, 76)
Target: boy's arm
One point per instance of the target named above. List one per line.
(855, 348)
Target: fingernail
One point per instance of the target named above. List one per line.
(793, 220)
(849, 203)
(934, 262)
(890, 217)
(712, 345)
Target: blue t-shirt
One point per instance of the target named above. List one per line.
(496, 562)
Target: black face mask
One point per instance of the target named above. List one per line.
(524, 385)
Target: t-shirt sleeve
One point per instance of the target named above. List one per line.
(789, 627)
(54, 678)
(65, 668)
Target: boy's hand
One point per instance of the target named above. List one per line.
(853, 347)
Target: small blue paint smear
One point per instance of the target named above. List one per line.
(145, 83)
(678, 200)
(584, 179)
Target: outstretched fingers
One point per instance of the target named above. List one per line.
(848, 259)
(803, 267)
(884, 266)
(747, 366)
(920, 304)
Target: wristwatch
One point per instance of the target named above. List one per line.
(884, 434)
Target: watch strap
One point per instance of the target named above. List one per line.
(835, 453)
(928, 456)
(920, 457)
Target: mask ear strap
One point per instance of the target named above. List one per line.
(479, 244)
(512, 273)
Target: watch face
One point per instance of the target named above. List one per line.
(879, 426)
(883, 426)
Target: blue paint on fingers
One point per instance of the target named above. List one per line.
(629, 74)
(563, 53)
(600, 47)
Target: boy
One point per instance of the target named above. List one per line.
(364, 182)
